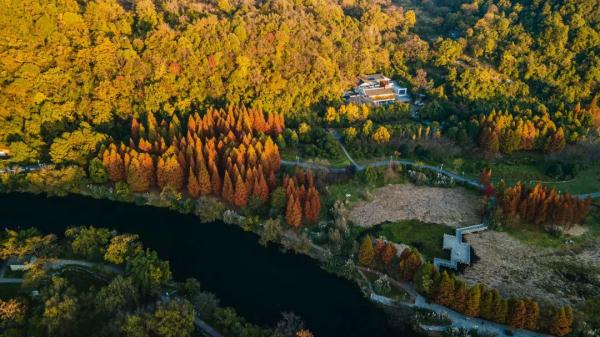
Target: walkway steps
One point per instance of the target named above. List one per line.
(460, 252)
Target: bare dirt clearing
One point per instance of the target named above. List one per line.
(449, 206)
(547, 275)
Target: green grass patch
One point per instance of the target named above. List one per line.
(586, 181)
(352, 190)
(535, 236)
(9, 290)
(426, 237)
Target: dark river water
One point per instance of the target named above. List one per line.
(258, 282)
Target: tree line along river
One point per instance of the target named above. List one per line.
(259, 282)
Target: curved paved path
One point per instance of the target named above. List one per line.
(358, 167)
(61, 263)
(458, 320)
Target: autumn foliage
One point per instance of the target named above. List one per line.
(541, 206)
(503, 132)
(228, 153)
(303, 199)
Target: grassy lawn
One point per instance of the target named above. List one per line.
(353, 187)
(8, 291)
(535, 237)
(587, 180)
(426, 237)
(517, 168)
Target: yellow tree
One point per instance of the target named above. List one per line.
(381, 135)
(366, 253)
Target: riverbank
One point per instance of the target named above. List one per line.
(260, 282)
(290, 239)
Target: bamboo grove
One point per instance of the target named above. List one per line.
(228, 153)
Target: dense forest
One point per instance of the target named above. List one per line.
(73, 67)
(75, 73)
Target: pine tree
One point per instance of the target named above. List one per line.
(240, 198)
(461, 294)
(293, 213)
(312, 205)
(139, 174)
(215, 181)
(228, 191)
(445, 291)
(410, 261)
(424, 279)
(500, 309)
(366, 253)
(388, 254)
(169, 173)
(113, 162)
(560, 324)
(517, 314)
(204, 179)
(532, 315)
(193, 187)
(261, 189)
(486, 308)
(473, 301)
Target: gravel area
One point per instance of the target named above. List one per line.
(556, 276)
(449, 206)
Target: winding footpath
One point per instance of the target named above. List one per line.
(459, 320)
(59, 264)
(354, 166)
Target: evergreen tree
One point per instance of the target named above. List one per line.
(169, 173)
(227, 189)
(461, 294)
(445, 292)
(240, 198)
(517, 314)
(388, 253)
(473, 301)
(424, 279)
(203, 178)
(487, 303)
(193, 187)
(366, 253)
(293, 213)
(532, 315)
(560, 324)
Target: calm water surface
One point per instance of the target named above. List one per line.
(258, 282)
